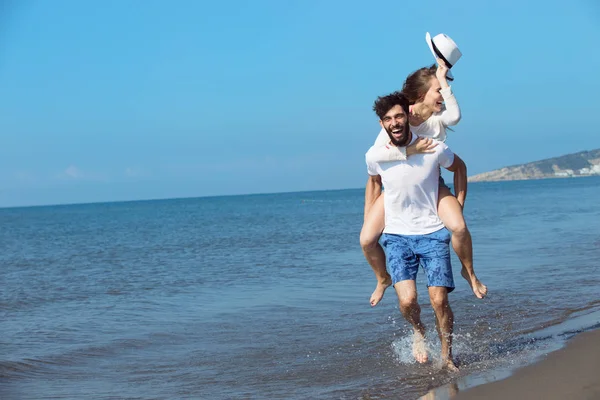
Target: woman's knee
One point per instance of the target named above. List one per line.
(373, 227)
(451, 215)
(369, 238)
(457, 225)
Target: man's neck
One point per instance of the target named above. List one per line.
(407, 142)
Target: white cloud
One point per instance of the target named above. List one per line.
(73, 172)
(24, 176)
(135, 172)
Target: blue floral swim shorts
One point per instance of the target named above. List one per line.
(404, 254)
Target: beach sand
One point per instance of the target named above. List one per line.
(572, 373)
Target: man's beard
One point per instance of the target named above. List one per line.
(405, 129)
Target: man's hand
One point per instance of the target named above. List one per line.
(421, 145)
(460, 179)
(372, 192)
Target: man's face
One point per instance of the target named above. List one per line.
(395, 123)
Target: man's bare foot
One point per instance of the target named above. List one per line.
(449, 365)
(479, 289)
(419, 347)
(379, 290)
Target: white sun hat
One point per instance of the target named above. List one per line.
(443, 47)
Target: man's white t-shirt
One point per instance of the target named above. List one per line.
(411, 190)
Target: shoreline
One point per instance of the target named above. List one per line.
(570, 372)
(537, 178)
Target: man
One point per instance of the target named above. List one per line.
(414, 234)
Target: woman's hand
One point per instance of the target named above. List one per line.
(442, 69)
(421, 145)
(441, 72)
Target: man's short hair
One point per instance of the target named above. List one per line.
(386, 103)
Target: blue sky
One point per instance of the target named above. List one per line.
(140, 99)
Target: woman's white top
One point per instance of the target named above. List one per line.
(434, 127)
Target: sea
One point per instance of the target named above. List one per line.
(267, 296)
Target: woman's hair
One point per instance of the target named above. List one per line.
(417, 84)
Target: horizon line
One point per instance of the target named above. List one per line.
(240, 194)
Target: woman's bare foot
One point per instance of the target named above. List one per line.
(419, 347)
(379, 290)
(479, 289)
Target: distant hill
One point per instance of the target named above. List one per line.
(584, 163)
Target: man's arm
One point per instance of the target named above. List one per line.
(372, 192)
(460, 179)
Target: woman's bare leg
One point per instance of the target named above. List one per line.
(450, 213)
(369, 241)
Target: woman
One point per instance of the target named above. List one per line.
(427, 90)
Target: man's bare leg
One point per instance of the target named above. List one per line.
(407, 296)
(444, 323)
(450, 213)
(369, 241)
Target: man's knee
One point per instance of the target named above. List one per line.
(407, 303)
(439, 301)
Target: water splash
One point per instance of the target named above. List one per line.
(402, 347)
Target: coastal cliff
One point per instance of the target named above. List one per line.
(583, 163)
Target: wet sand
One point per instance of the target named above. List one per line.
(572, 372)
